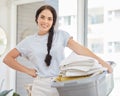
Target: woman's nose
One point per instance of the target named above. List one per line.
(45, 20)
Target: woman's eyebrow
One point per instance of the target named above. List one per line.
(44, 16)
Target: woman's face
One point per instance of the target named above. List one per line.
(45, 21)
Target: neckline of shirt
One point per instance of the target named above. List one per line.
(41, 36)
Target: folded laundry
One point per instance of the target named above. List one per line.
(74, 73)
(61, 78)
(82, 68)
(77, 65)
(77, 80)
(74, 58)
(87, 62)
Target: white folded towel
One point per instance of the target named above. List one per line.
(74, 58)
(82, 68)
(73, 73)
(77, 65)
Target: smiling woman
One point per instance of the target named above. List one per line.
(3, 41)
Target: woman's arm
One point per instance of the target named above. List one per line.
(81, 50)
(10, 60)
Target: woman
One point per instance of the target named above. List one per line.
(46, 50)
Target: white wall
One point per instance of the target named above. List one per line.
(5, 17)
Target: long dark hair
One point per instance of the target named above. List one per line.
(51, 31)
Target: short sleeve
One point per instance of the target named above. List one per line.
(66, 36)
(22, 47)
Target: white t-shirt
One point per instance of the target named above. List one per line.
(34, 47)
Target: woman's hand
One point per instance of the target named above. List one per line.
(32, 72)
(81, 50)
(110, 70)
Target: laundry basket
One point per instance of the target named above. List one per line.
(99, 85)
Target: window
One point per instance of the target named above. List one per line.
(96, 19)
(68, 19)
(113, 15)
(97, 47)
(117, 13)
(102, 35)
(114, 47)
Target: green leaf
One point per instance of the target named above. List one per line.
(16, 94)
(5, 92)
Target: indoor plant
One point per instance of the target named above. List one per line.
(5, 92)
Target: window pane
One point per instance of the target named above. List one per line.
(103, 29)
(68, 18)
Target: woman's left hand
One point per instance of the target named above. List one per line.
(110, 69)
